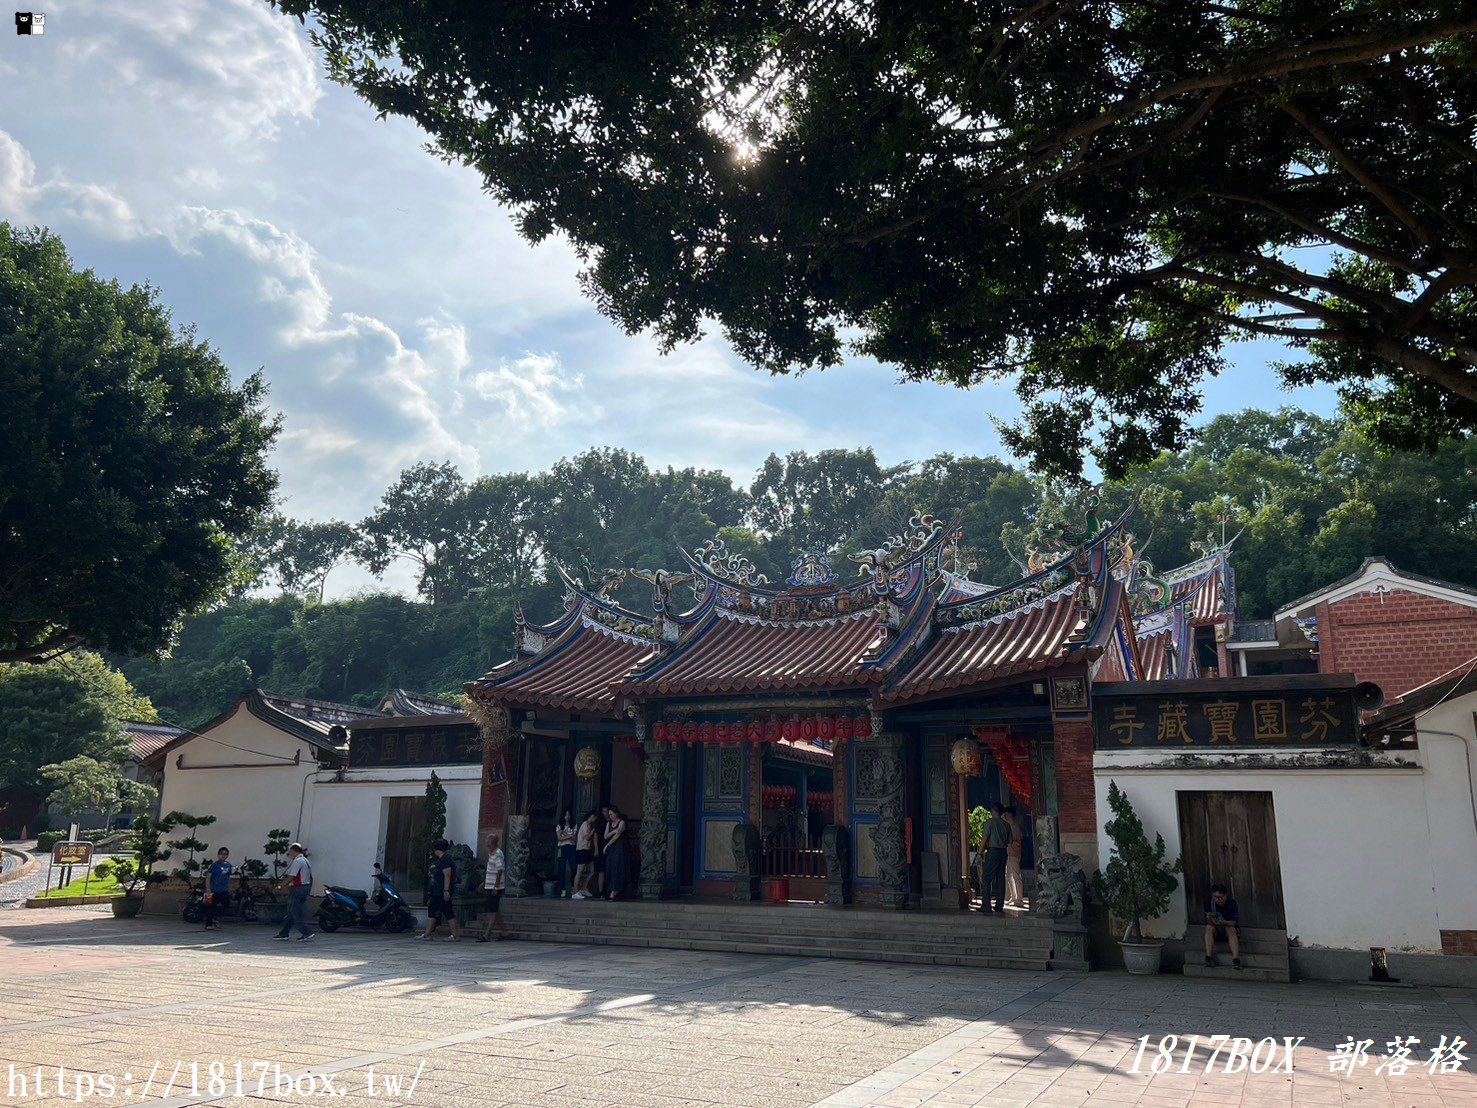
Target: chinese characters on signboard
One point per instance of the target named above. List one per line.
(437, 746)
(1226, 718)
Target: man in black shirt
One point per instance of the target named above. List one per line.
(1222, 921)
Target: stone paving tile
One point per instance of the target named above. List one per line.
(535, 1025)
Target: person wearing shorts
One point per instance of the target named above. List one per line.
(584, 856)
(492, 890)
(1223, 924)
(438, 904)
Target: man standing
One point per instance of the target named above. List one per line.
(997, 839)
(218, 888)
(492, 887)
(298, 880)
(1222, 921)
(443, 882)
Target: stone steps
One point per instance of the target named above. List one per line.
(1264, 957)
(939, 938)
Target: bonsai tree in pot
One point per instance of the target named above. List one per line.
(148, 851)
(1137, 882)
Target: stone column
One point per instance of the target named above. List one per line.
(887, 836)
(1076, 795)
(746, 862)
(836, 844)
(654, 800)
(840, 781)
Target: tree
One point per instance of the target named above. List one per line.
(420, 518)
(818, 501)
(190, 841)
(49, 714)
(129, 460)
(1138, 882)
(275, 848)
(301, 555)
(1090, 197)
(433, 826)
(84, 784)
(148, 851)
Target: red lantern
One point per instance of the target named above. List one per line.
(861, 727)
(789, 730)
(705, 732)
(659, 731)
(756, 730)
(843, 727)
(720, 731)
(689, 732)
(772, 731)
(807, 728)
(825, 727)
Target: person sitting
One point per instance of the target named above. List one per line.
(1223, 922)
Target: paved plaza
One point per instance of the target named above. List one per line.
(158, 1011)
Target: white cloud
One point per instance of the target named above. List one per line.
(529, 391)
(24, 199)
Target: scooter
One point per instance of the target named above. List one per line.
(243, 905)
(385, 907)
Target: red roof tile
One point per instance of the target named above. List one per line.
(1027, 639)
(148, 738)
(736, 653)
(577, 674)
(1154, 653)
(1207, 602)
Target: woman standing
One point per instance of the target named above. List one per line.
(615, 851)
(1015, 892)
(584, 855)
(566, 834)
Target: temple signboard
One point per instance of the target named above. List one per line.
(1229, 714)
(417, 744)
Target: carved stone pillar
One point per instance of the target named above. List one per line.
(745, 862)
(887, 836)
(516, 881)
(655, 797)
(836, 845)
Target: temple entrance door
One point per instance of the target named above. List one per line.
(1230, 838)
(722, 802)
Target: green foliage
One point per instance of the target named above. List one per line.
(1137, 883)
(191, 842)
(148, 850)
(1310, 498)
(1088, 199)
(978, 818)
(253, 869)
(434, 826)
(83, 784)
(278, 840)
(129, 460)
(53, 712)
(45, 840)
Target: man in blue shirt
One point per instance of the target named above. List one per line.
(218, 888)
(1222, 921)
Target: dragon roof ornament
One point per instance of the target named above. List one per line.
(715, 559)
(810, 570)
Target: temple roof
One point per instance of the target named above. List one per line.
(1156, 656)
(737, 653)
(578, 673)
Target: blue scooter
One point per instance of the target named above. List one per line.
(384, 908)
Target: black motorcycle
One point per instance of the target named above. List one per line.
(385, 907)
(243, 905)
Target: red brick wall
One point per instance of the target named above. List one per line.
(1399, 640)
(1459, 942)
(1075, 799)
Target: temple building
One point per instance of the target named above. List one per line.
(811, 731)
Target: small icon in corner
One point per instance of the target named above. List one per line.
(30, 23)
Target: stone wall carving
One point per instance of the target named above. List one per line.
(745, 862)
(836, 845)
(655, 797)
(516, 857)
(887, 836)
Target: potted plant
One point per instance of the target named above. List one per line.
(1137, 883)
(137, 873)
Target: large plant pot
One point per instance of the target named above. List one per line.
(126, 907)
(1141, 957)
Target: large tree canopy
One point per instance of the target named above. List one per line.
(128, 460)
(1091, 197)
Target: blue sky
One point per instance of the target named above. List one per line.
(395, 311)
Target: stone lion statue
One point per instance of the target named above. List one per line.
(468, 872)
(1062, 887)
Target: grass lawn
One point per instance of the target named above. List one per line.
(97, 886)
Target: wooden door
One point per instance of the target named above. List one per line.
(403, 822)
(1230, 838)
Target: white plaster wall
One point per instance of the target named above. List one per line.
(1358, 868)
(1451, 765)
(346, 819)
(247, 801)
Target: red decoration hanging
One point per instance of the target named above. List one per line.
(861, 727)
(659, 731)
(689, 732)
(720, 731)
(807, 728)
(705, 732)
(772, 731)
(843, 727)
(756, 729)
(825, 727)
(789, 731)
